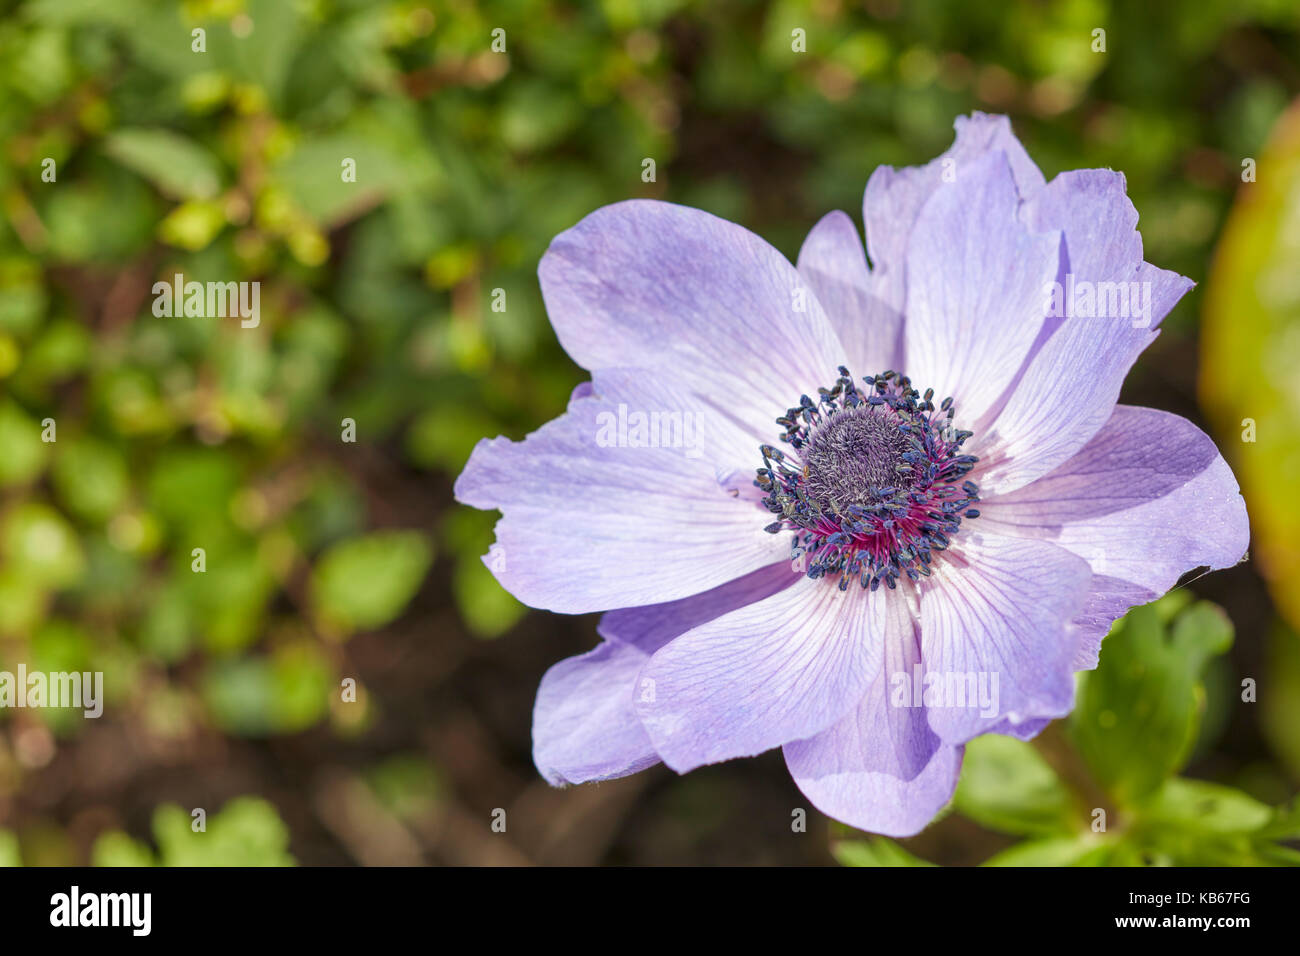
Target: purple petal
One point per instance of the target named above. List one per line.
(588, 525)
(1109, 599)
(584, 725)
(995, 618)
(881, 802)
(1026, 730)
(654, 625)
(834, 264)
(692, 297)
(1146, 500)
(780, 669)
(1071, 385)
(887, 732)
(894, 197)
(975, 281)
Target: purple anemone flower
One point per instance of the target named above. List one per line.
(861, 511)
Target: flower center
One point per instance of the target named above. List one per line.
(871, 489)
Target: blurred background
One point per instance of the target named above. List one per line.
(128, 440)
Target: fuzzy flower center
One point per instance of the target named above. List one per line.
(873, 487)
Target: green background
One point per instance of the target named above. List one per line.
(328, 560)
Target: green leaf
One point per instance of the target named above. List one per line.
(115, 848)
(303, 680)
(21, 604)
(1137, 715)
(41, 544)
(91, 477)
(193, 224)
(23, 304)
(80, 12)
(60, 645)
(265, 56)
(41, 66)
(391, 157)
(24, 453)
(191, 485)
(246, 832)
(1006, 786)
(1285, 823)
(1206, 807)
(877, 851)
(1084, 850)
(231, 596)
(178, 167)
(61, 351)
(364, 583)
(1197, 823)
(536, 115)
(74, 212)
(167, 630)
(488, 609)
(9, 850)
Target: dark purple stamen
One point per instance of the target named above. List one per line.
(871, 492)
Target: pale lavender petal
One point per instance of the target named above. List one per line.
(1146, 500)
(881, 802)
(654, 625)
(780, 669)
(584, 725)
(588, 525)
(894, 197)
(975, 281)
(693, 298)
(1109, 599)
(834, 264)
(887, 732)
(1026, 730)
(1072, 383)
(995, 615)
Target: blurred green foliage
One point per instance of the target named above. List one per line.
(246, 832)
(128, 440)
(1252, 328)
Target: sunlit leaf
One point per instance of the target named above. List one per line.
(1136, 716)
(1083, 850)
(877, 851)
(365, 582)
(1006, 786)
(177, 166)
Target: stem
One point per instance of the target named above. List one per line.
(1055, 748)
